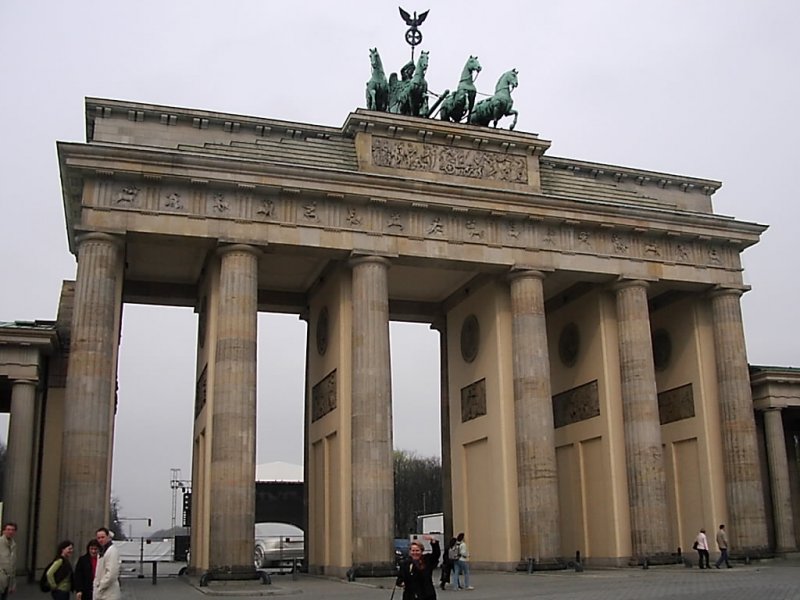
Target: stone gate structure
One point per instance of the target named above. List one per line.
(595, 390)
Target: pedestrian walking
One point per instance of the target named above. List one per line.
(722, 544)
(462, 564)
(701, 545)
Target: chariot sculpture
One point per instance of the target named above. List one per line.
(408, 94)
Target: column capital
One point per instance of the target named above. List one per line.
(521, 271)
(724, 290)
(99, 236)
(24, 381)
(624, 283)
(359, 259)
(769, 404)
(223, 249)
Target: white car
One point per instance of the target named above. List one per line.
(278, 544)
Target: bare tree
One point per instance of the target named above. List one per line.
(417, 489)
(114, 517)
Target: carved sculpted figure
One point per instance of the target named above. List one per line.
(459, 105)
(377, 86)
(410, 95)
(498, 106)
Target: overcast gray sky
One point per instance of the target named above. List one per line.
(705, 88)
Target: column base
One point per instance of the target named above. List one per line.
(543, 564)
(235, 573)
(376, 569)
(745, 555)
(659, 558)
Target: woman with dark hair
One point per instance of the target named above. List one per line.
(59, 573)
(415, 575)
(85, 569)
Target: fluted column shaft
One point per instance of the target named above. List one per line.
(19, 463)
(779, 481)
(747, 516)
(372, 464)
(233, 441)
(537, 481)
(646, 479)
(91, 388)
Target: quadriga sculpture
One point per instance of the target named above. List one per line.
(459, 105)
(409, 96)
(377, 86)
(498, 106)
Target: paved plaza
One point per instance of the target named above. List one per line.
(773, 580)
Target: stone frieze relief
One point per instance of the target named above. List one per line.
(460, 162)
(416, 222)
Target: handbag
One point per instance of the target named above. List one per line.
(694, 546)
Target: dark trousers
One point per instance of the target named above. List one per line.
(703, 554)
(59, 595)
(723, 558)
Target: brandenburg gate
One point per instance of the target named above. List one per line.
(595, 392)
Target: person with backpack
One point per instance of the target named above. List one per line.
(59, 573)
(462, 564)
(448, 562)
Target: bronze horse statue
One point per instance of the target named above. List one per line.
(377, 86)
(459, 105)
(409, 96)
(498, 106)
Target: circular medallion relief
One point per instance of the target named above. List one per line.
(322, 331)
(569, 344)
(470, 338)
(662, 349)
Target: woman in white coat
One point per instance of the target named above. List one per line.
(106, 577)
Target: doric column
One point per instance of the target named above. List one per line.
(371, 447)
(90, 401)
(537, 481)
(779, 481)
(646, 480)
(19, 464)
(748, 529)
(232, 490)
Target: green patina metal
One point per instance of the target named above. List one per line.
(377, 86)
(499, 105)
(457, 106)
(408, 94)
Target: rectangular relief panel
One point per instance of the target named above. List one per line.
(473, 401)
(575, 405)
(323, 397)
(676, 404)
